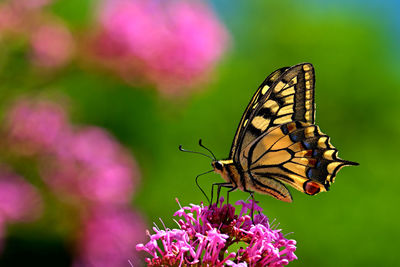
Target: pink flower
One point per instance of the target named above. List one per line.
(19, 201)
(172, 43)
(35, 126)
(85, 166)
(18, 16)
(90, 164)
(9, 20)
(50, 41)
(83, 163)
(31, 4)
(108, 238)
(206, 234)
(91, 146)
(52, 45)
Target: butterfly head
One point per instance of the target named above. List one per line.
(218, 166)
(225, 168)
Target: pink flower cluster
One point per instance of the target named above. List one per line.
(83, 162)
(51, 43)
(172, 43)
(19, 201)
(206, 234)
(85, 168)
(108, 238)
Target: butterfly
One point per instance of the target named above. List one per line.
(277, 143)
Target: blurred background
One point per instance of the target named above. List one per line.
(96, 96)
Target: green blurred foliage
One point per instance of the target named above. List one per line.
(357, 95)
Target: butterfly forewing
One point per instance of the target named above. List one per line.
(282, 99)
(257, 97)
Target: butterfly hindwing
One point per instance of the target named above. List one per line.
(296, 153)
(265, 184)
(286, 95)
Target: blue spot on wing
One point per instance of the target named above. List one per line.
(306, 144)
(318, 164)
(297, 136)
(285, 129)
(310, 173)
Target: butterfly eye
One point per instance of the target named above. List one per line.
(218, 165)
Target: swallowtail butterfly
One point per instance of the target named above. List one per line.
(277, 142)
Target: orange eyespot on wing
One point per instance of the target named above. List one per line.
(311, 188)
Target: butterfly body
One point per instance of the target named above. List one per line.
(277, 142)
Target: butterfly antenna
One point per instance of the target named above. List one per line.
(201, 144)
(195, 152)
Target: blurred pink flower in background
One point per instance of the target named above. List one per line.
(109, 237)
(49, 39)
(52, 45)
(84, 162)
(173, 43)
(8, 19)
(31, 4)
(36, 126)
(19, 201)
(91, 164)
(87, 169)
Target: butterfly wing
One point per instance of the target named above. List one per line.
(286, 95)
(296, 153)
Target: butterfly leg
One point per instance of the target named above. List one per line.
(232, 188)
(218, 191)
